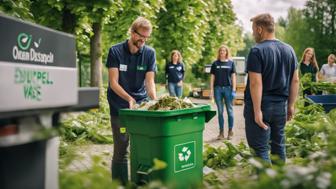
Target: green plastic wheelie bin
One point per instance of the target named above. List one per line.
(175, 137)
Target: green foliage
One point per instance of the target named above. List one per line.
(91, 126)
(97, 177)
(175, 23)
(196, 28)
(332, 115)
(310, 148)
(307, 132)
(219, 158)
(314, 87)
(166, 103)
(17, 8)
(249, 42)
(298, 33)
(321, 19)
(66, 154)
(314, 26)
(221, 30)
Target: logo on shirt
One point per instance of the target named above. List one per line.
(179, 68)
(141, 67)
(123, 67)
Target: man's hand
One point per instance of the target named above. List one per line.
(258, 118)
(180, 83)
(131, 103)
(290, 112)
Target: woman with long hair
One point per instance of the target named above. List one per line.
(223, 87)
(175, 74)
(308, 65)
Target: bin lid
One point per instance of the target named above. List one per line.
(209, 114)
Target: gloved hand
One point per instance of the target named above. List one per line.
(233, 94)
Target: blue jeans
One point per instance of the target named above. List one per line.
(174, 89)
(225, 93)
(274, 115)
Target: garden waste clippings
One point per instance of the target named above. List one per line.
(166, 103)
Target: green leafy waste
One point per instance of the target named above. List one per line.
(315, 87)
(166, 103)
(92, 126)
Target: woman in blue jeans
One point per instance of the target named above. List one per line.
(223, 87)
(175, 74)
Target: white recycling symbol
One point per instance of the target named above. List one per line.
(185, 154)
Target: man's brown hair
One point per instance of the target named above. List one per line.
(264, 20)
(140, 22)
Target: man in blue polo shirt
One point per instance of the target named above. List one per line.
(271, 90)
(131, 66)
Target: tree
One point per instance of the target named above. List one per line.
(314, 26)
(222, 30)
(321, 19)
(96, 13)
(249, 43)
(181, 25)
(196, 28)
(19, 9)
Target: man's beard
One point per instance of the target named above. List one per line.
(138, 43)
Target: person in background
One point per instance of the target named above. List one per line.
(175, 73)
(328, 71)
(131, 66)
(308, 64)
(223, 87)
(271, 89)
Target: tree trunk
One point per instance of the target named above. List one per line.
(96, 56)
(68, 21)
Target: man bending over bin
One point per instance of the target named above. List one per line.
(131, 65)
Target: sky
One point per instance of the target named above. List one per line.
(246, 9)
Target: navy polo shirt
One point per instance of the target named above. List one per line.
(132, 71)
(175, 72)
(222, 72)
(276, 62)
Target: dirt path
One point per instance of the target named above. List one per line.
(211, 130)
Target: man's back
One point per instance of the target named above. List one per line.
(276, 62)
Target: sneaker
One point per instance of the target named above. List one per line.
(220, 136)
(230, 134)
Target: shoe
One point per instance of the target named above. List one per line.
(221, 135)
(230, 134)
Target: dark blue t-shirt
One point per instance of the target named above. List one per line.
(132, 71)
(222, 72)
(175, 72)
(276, 62)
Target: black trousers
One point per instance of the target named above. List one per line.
(121, 141)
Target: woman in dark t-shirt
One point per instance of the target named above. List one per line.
(308, 65)
(223, 87)
(175, 74)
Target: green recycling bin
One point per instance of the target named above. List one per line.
(175, 137)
